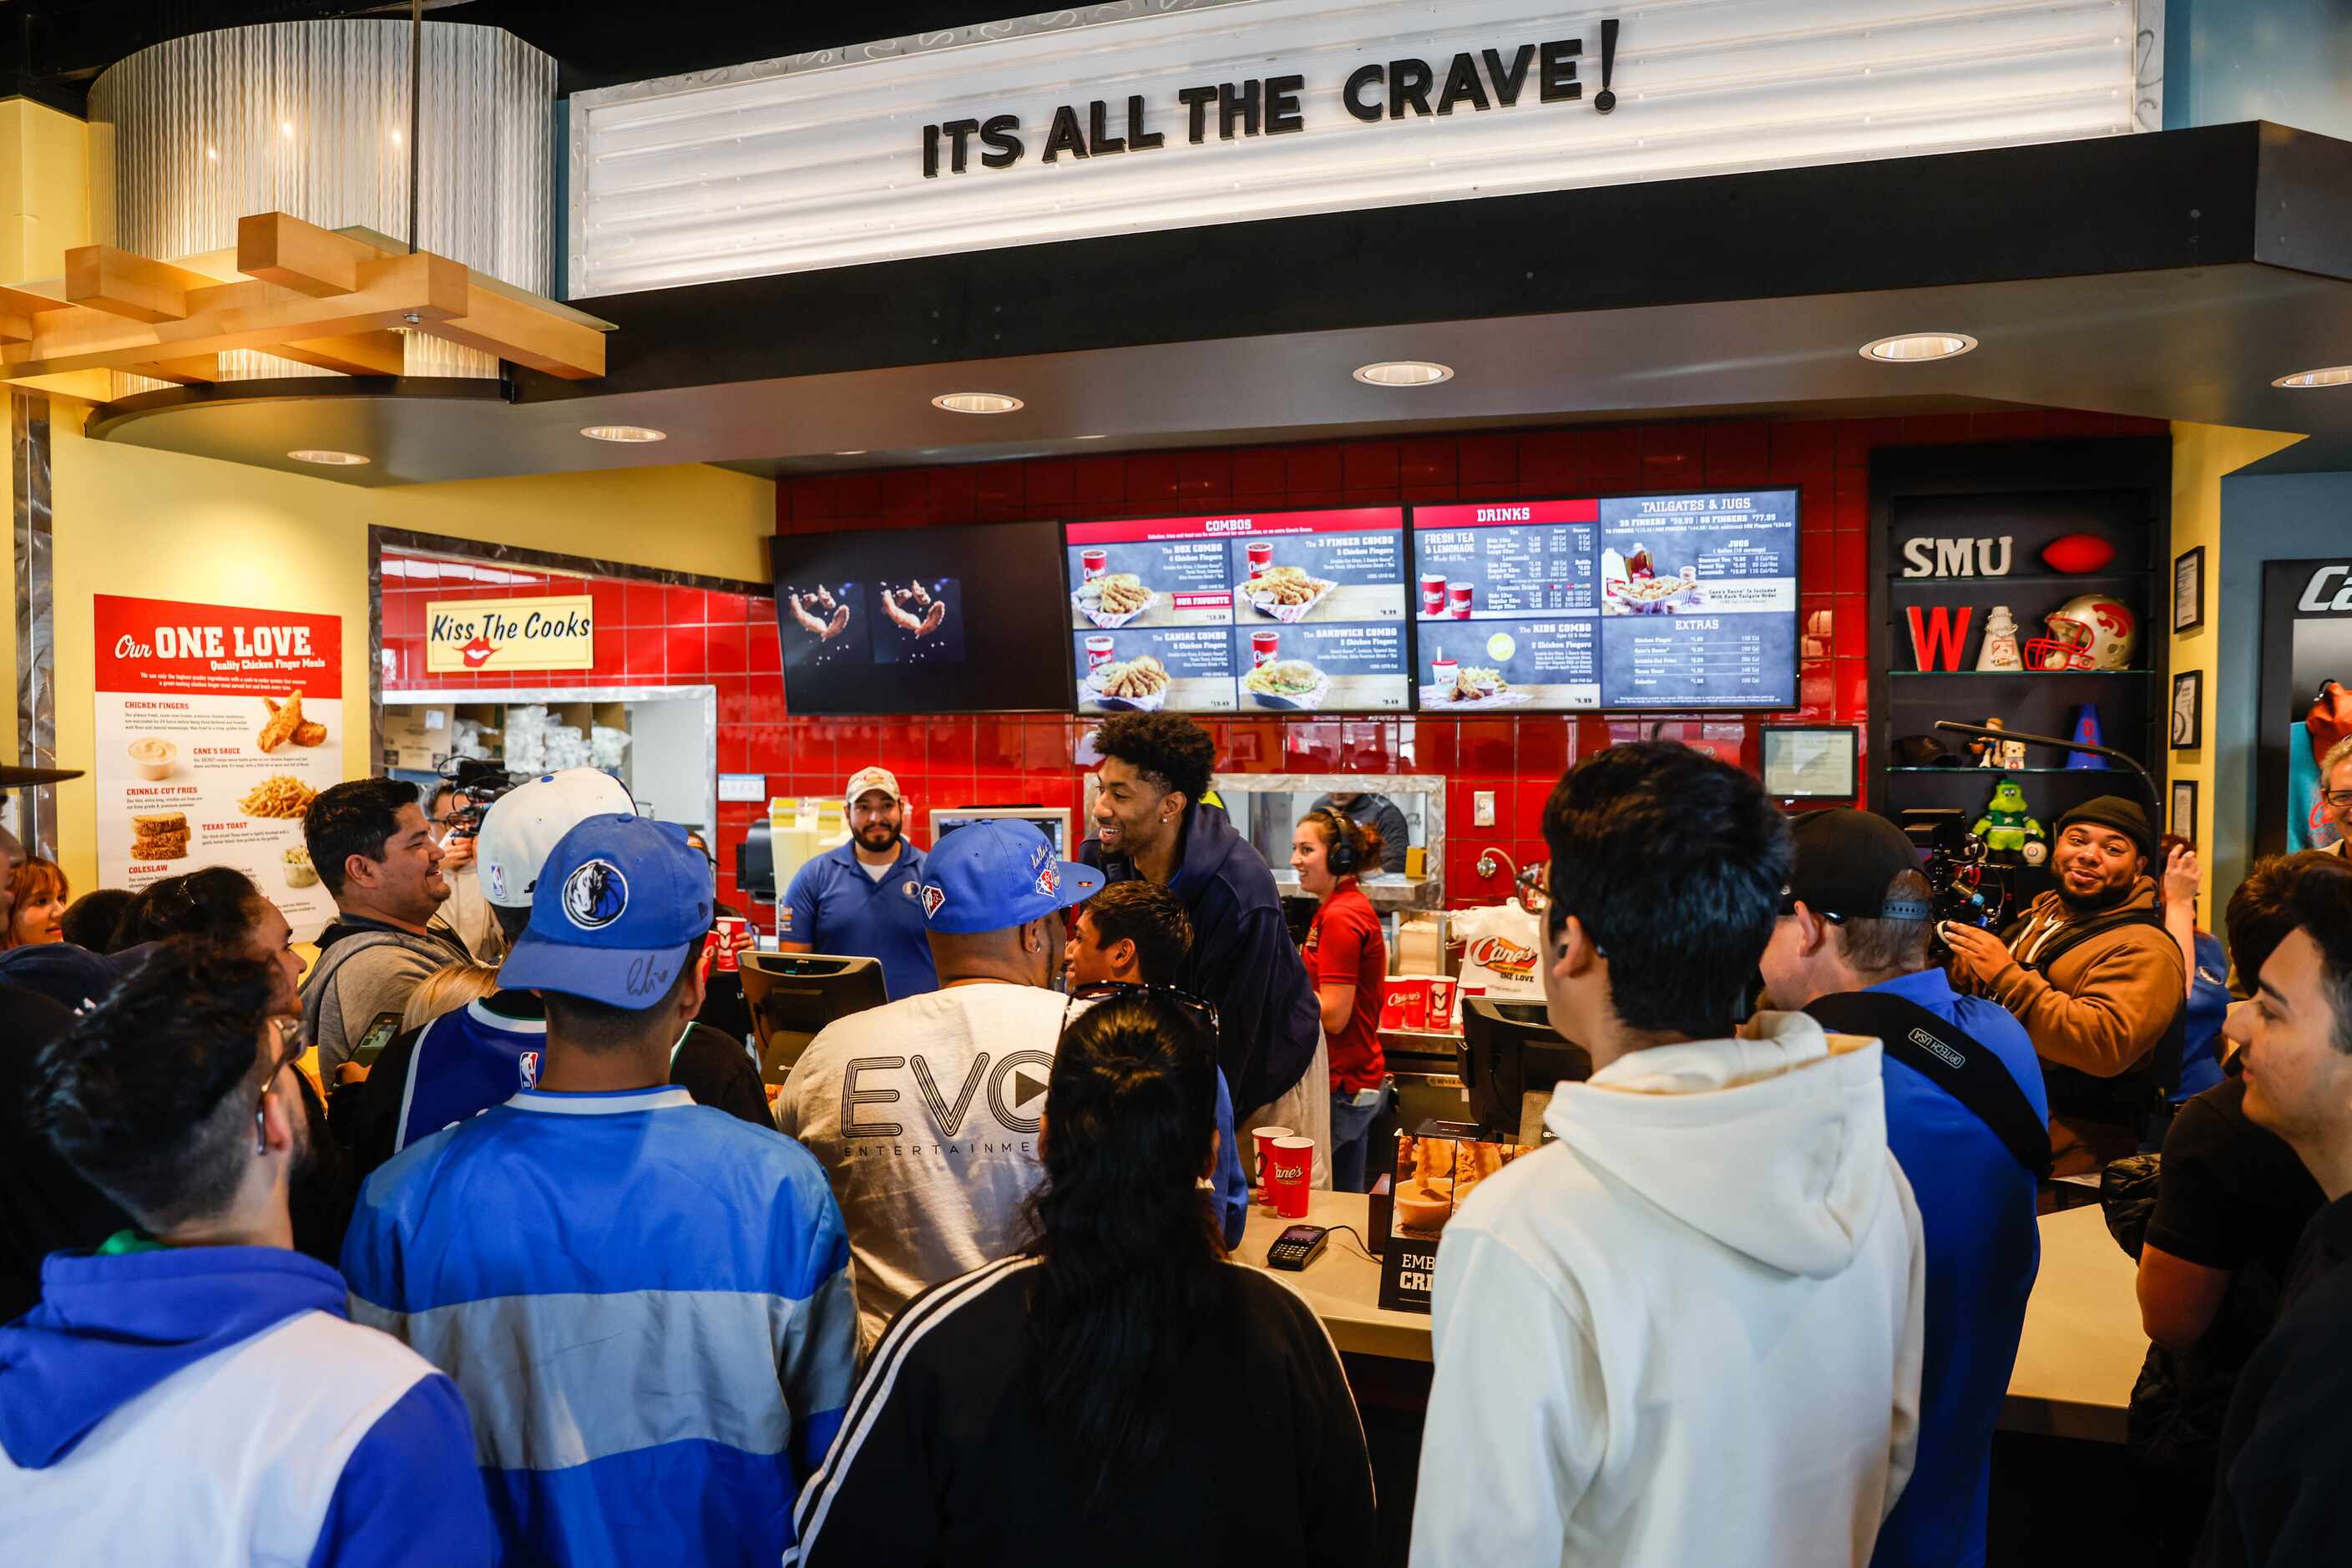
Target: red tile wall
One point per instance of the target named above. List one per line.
(958, 760)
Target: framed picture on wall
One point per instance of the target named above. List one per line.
(2183, 817)
(2188, 590)
(2188, 710)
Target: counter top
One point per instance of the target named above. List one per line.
(2076, 1362)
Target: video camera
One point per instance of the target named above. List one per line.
(481, 782)
(1964, 886)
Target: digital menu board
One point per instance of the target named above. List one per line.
(1295, 611)
(1676, 602)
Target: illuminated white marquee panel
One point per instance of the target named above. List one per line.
(820, 160)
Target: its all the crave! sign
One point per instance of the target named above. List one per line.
(465, 635)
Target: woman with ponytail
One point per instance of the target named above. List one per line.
(1078, 1402)
(1348, 962)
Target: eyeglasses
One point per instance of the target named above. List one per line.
(287, 1030)
(1199, 1009)
(2339, 799)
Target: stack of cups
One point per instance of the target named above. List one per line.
(1264, 1137)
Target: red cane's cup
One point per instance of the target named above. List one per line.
(1264, 1137)
(1404, 1003)
(1293, 1174)
(1457, 599)
(1261, 556)
(1441, 1004)
(1433, 593)
(1096, 563)
(1442, 670)
(1098, 652)
(1265, 647)
(731, 933)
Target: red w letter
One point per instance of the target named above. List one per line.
(1939, 640)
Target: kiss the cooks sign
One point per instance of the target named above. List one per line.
(464, 636)
(1142, 115)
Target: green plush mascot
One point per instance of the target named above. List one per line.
(2008, 827)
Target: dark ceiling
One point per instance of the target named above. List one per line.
(51, 50)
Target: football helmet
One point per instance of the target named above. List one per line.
(2089, 631)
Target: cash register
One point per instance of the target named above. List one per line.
(1509, 1060)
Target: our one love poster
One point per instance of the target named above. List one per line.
(216, 727)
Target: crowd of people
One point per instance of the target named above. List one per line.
(536, 1269)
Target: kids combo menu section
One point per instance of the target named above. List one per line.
(1288, 611)
(217, 726)
(1675, 601)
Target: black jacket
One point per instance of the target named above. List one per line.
(945, 1457)
(2286, 1447)
(1242, 959)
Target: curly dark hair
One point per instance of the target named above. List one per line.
(1168, 749)
(218, 905)
(2261, 912)
(1675, 862)
(150, 1095)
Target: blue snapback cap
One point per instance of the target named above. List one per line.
(619, 908)
(996, 874)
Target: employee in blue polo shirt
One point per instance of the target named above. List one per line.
(1966, 1119)
(858, 900)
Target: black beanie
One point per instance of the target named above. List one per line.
(2114, 811)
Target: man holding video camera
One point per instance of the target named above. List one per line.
(2097, 981)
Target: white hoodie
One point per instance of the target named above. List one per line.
(1688, 1333)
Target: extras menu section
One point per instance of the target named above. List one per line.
(1674, 602)
(1289, 611)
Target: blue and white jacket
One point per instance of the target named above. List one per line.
(211, 1405)
(647, 1305)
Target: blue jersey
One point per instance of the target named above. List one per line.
(1984, 1247)
(2209, 1008)
(646, 1304)
(835, 908)
(465, 1062)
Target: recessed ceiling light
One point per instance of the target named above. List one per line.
(1909, 348)
(621, 433)
(976, 402)
(330, 460)
(853, 452)
(2334, 376)
(1102, 437)
(1403, 373)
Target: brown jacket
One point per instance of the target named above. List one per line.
(2108, 1001)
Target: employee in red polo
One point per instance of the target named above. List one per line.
(858, 900)
(1347, 962)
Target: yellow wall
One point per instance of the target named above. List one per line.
(2201, 455)
(160, 525)
(44, 190)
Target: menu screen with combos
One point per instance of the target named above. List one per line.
(1287, 611)
(1669, 602)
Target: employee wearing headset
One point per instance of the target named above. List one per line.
(1346, 962)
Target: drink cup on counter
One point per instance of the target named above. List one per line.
(1096, 562)
(1443, 671)
(1292, 1174)
(1261, 556)
(1098, 652)
(1264, 1137)
(1458, 596)
(1433, 593)
(1441, 1003)
(729, 932)
(1265, 647)
(1405, 1003)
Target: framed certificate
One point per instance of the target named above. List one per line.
(2188, 590)
(2188, 710)
(2183, 818)
(1810, 761)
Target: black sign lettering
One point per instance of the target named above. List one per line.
(998, 135)
(959, 134)
(1101, 144)
(1282, 111)
(930, 152)
(1065, 136)
(1196, 102)
(1556, 72)
(1237, 103)
(1408, 85)
(1350, 96)
(1462, 86)
(1508, 83)
(1140, 139)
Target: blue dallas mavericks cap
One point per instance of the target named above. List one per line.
(993, 875)
(620, 907)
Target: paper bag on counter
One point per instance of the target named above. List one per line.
(1501, 947)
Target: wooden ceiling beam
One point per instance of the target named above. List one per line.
(355, 353)
(123, 283)
(188, 371)
(419, 290)
(501, 324)
(281, 249)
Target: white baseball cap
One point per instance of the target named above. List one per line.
(523, 826)
(865, 779)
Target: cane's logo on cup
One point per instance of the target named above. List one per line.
(1433, 593)
(1261, 557)
(1458, 596)
(1096, 563)
(1443, 671)
(1504, 956)
(1099, 651)
(1265, 647)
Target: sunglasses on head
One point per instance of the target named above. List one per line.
(1197, 1008)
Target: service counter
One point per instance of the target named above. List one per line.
(2076, 1362)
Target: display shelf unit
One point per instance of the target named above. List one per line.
(2033, 492)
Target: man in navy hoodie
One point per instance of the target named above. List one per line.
(1149, 821)
(192, 1391)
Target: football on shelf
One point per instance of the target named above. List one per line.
(2078, 552)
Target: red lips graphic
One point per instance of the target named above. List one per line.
(478, 652)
